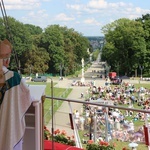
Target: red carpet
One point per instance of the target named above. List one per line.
(58, 146)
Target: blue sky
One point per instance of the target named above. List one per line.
(84, 16)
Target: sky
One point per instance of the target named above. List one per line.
(84, 16)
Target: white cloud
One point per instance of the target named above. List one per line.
(38, 18)
(20, 1)
(74, 7)
(97, 4)
(138, 10)
(38, 14)
(21, 5)
(91, 21)
(80, 14)
(63, 17)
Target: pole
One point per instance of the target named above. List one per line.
(90, 124)
(146, 125)
(95, 127)
(60, 70)
(106, 121)
(52, 109)
(141, 67)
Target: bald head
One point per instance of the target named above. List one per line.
(5, 49)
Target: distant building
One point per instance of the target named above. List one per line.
(97, 42)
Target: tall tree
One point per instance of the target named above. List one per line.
(53, 41)
(125, 45)
(70, 57)
(145, 20)
(20, 38)
(34, 30)
(37, 61)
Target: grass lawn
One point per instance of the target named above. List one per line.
(57, 92)
(120, 145)
(142, 85)
(137, 124)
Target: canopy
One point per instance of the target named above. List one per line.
(115, 114)
(133, 144)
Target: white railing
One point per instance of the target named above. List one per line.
(105, 113)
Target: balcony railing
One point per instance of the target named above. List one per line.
(100, 120)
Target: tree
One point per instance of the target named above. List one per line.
(69, 46)
(66, 48)
(37, 61)
(125, 45)
(34, 30)
(2, 29)
(145, 20)
(52, 40)
(75, 47)
(20, 38)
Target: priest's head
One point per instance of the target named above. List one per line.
(5, 49)
(5, 52)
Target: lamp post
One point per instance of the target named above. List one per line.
(61, 67)
(30, 70)
(106, 121)
(141, 68)
(52, 112)
(108, 69)
(90, 125)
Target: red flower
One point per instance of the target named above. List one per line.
(124, 148)
(58, 131)
(55, 132)
(103, 143)
(63, 132)
(68, 137)
(106, 143)
(90, 141)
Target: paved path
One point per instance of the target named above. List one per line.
(61, 117)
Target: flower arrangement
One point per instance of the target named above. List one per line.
(101, 145)
(59, 136)
(47, 134)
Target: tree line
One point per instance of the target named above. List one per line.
(37, 50)
(127, 46)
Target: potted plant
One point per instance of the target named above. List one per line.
(59, 136)
(101, 145)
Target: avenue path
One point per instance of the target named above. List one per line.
(61, 117)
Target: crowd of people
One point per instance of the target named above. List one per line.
(120, 123)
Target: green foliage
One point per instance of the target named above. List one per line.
(38, 51)
(125, 46)
(102, 145)
(59, 136)
(37, 61)
(92, 147)
(145, 20)
(66, 48)
(34, 30)
(53, 40)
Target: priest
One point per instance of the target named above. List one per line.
(15, 99)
